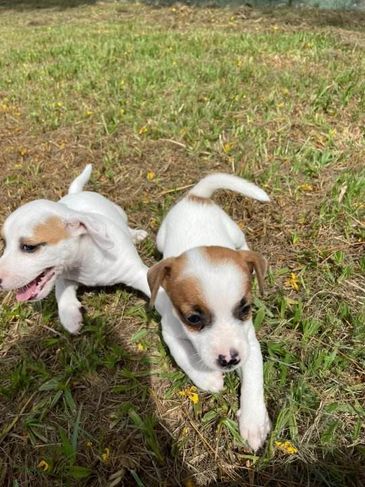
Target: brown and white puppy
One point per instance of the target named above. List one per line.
(205, 303)
(82, 239)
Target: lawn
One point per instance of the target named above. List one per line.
(156, 97)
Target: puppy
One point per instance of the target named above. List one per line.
(81, 239)
(205, 304)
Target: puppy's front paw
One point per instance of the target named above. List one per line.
(209, 381)
(138, 235)
(254, 426)
(71, 318)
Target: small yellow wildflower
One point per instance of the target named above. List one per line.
(227, 147)
(307, 188)
(105, 456)
(143, 130)
(286, 447)
(23, 151)
(88, 113)
(140, 347)
(58, 104)
(154, 223)
(190, 393)
(43, 465)
(150, 176)
(89, 444)
(293, 281)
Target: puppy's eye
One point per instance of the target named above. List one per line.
(29, 249)
(243, 309)
(194, 319)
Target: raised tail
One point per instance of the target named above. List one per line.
(208, 185)
(78, 183)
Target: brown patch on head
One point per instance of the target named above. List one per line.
(188, 300)
(50, 232)
(199, 199)
(247, 260)
(184, 292)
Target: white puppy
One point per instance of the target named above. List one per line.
(206, 307)
(81, 239)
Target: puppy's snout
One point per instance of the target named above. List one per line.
(229, 361)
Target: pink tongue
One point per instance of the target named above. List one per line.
(27, 292)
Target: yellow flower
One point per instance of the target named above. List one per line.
(154, 223)
(307, 188)
(227, 147)
(143, 130)
(140, 347)
(150, 176)
(89, 444)
(43, 465)
(105, 456)
(293, 281)
(88, 113)
(286, 447)
(190, 393)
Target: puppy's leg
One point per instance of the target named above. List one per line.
(69, 307)
(254, 420)
(186, 357)
(137, 235)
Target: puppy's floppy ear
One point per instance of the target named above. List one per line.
(259, 263)
(87, 223)
(157, 275)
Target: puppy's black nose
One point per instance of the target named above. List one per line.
(225, 362)
(0, 283)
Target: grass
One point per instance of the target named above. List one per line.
(155, 98)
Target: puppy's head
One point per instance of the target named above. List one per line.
(42, 239)
(210, 290)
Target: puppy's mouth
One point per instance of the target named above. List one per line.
(33, 289)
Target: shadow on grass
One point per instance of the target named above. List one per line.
(81, 410)
(78, 410)
(337, 469)
(259, 11)
(279, 12)
(39, 4)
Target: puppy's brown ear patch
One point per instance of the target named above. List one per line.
(52, 231)
(258, 262)
(157, 275)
